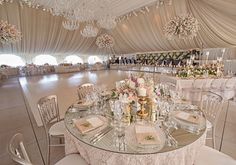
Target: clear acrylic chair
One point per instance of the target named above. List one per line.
(199, 87)
(212, 105)
(84, 90)
(53, 125)
(229, 88)
(217, 84)
(18, 153)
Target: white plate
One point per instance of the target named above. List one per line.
(130, 137)
(94, 131)
(82, 104)
(188, 125)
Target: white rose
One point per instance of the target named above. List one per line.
(142, 92)
(140, 81)
(131, 84)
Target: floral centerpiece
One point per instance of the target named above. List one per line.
(138, 88)
(135, 86)
(105, 41)
(212, 70)
(8, 33)
(182, 27)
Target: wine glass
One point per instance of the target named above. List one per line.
(118, 131)
(95, 98)
(89, 100)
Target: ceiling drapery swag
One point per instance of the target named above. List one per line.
(43, 33)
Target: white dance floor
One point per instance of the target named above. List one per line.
(64, 86)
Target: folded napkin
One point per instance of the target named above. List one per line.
(82, 103)
(87, 124)
(188, 117)
(146, 135)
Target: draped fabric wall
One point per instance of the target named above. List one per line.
(43, 33)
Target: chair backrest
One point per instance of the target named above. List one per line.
(17, 151)
(212, 105)
(217, 83)
(198, 84)
(84, 89)
(48, 110)
(230, 83)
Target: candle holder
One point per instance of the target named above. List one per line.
(143, 113)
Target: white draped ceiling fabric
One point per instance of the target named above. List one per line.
(43, 33)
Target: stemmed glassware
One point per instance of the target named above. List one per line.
(93, 98)
(100, 99)
(88, 99)
(117, 107)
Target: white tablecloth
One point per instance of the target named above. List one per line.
(98, 66)
(67, 69)
(208, 84)
(9, 71)
(95, 156)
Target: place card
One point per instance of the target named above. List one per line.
(88, 124)
(146, 135)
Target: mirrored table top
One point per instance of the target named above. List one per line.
(184, 134)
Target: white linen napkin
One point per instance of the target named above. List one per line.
(187, 117)
(87, 124)
(146, 135)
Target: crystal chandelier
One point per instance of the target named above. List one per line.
(107, 22)
(89, 31)
(82, 11)
(70, 24)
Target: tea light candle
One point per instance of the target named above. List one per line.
(223, 52)
(142, 92)
(207, 56)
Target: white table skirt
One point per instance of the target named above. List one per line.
(95, 156)
(67, 69)
(184, 85)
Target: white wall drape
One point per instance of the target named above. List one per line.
(43, 33)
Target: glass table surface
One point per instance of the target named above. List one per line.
(183, 135)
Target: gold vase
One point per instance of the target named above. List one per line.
(142, 113)
(128, 113)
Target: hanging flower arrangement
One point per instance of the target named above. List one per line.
(8, 33)
(182, 27)
(105, 41)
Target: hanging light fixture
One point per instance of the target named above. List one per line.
(108, 22)
(83, 11)
(89, 31)
(70, 24)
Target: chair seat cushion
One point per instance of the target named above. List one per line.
(57, 129)
(72, 159)
(209, 156)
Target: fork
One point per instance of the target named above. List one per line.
(100, 135)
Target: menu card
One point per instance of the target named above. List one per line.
(146, 135)
(192, 118)
(87, 124)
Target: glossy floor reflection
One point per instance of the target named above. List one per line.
(64, 86)
(16, 112)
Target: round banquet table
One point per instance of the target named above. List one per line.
(104, 152)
